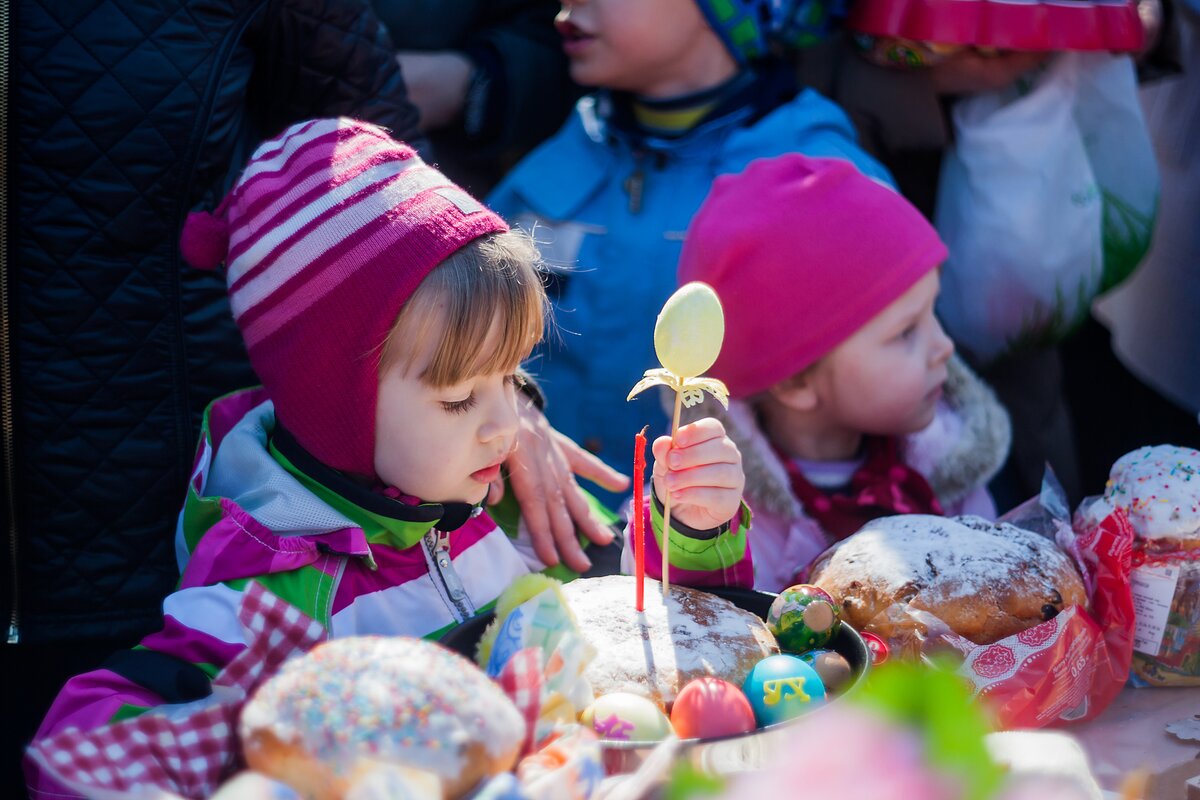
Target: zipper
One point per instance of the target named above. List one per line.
(6, 381)
(634, 185)
(437, 543)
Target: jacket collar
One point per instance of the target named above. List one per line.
(380, 516)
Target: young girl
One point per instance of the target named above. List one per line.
(386, 313)
(848, 404)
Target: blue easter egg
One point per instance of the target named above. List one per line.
(782, 687)
(803, 617)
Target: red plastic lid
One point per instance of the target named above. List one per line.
(1111, 25)
(877, 646)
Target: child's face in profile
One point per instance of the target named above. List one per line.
(654, 48)
(443, 444)
(886, 379)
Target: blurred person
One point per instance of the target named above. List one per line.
(490, 79)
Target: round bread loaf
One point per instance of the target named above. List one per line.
(984, 580)
(655, 653)
(351, 704)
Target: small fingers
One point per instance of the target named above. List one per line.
(718, 476)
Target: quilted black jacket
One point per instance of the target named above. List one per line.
(129, 113)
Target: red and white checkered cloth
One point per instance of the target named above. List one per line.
(183, 750)
(521, 680)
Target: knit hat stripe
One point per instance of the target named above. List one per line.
(373, 240)
(271, 242)
(312, 285)
(275, 194)
(274, 156)
(250, 256)
(309, 235)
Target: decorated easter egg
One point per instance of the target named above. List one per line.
(832, 667)
(708, 707)
(803, 617)
(689, 330)
(626, 717)
(782, 687)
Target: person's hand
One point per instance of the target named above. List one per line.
(968, 72)
(541, 472)
(437, 84)
(703, 471)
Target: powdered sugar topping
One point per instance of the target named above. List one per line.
(955, 556)
(691, 633)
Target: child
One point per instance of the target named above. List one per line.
(847, 404)
(686, 92)
(385, 312)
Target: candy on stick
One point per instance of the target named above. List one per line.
(687, 341)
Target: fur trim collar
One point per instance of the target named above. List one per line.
(963, 448)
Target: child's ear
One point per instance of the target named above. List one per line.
(798, 392)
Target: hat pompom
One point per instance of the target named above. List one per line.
(205, 240)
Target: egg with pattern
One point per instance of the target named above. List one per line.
(803, 617)
(626, 717)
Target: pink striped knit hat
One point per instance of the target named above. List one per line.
(326, 234)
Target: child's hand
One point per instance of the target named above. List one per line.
(703, 472)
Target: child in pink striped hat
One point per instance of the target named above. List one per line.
(386, 312)
(847, 404)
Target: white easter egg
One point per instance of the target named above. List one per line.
(689, 331)
(623, 716)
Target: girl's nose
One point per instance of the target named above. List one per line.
(501, 421)
(943, 345)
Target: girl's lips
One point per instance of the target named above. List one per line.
(487, 474)
(575, 40)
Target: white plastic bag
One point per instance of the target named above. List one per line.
(1121, 153)
(1022, 202)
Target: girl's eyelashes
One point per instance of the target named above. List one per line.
(460, 406)
(469, 402)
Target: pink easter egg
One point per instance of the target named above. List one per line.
(709, 707)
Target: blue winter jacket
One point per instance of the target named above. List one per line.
(609, 210)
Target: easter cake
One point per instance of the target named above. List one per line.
(654, 653)
(984, 580)
(1158, 488)
(350, 706)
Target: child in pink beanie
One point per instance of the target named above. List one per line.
(386, 312)
(848, 404)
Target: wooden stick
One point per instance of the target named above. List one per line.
(666, 549)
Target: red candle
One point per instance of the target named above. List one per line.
(639, 517)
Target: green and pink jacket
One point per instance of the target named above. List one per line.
(260, 509)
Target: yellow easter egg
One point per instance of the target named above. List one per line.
(689, 331)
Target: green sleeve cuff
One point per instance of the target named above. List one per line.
(703, 551)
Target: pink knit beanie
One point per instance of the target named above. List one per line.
(802, 252)
(328, 231)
